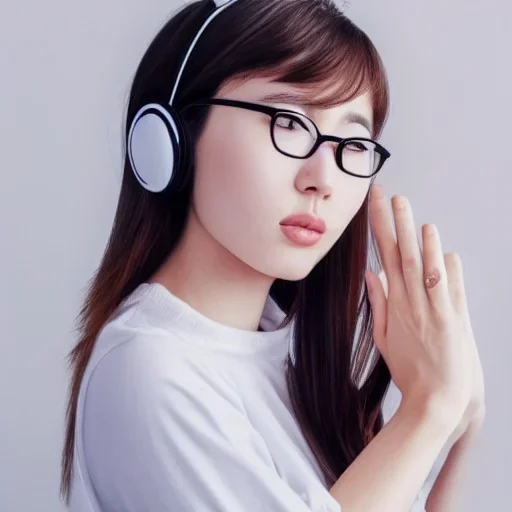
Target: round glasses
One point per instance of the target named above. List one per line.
(296, 135)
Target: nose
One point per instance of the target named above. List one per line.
(317, 173)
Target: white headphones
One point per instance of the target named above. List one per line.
(156, 139)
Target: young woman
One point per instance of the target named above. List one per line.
(226, 357)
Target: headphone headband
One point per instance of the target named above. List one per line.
(220, 5)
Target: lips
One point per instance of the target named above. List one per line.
(305, 220)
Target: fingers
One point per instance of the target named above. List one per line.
(411, 258)
(453, 265)
(380, 219)
(424, 278)
(434, 271)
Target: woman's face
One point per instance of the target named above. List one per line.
(244, 187)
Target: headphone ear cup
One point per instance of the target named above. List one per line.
(182, 175)
(154, 146)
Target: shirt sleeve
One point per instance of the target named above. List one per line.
(163, 432)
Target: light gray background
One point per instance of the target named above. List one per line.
(65, 74)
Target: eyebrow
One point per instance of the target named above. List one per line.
(300, 99)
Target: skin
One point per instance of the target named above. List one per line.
(233, 248)
(430, 284)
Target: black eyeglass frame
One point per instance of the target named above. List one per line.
(321, 138)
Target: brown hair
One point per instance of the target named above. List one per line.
(310, 44)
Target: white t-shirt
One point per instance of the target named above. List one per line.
(179, 413)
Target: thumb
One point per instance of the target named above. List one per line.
(378, 302)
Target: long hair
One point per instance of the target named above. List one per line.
(337, 382)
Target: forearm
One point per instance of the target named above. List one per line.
(389, 473)
(444, 494)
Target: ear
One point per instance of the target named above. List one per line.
(384, 281)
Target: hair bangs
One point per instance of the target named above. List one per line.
(332, 54)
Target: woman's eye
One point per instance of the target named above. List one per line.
(356, 146)
(290, 123)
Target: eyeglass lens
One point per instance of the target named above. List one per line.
(296, 135)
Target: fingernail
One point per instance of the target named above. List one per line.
(400, 202)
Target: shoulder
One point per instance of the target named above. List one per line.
(134, 369)
(151, 412)
(131, 344)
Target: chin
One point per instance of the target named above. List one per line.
(291, 272)
(294, 276)
(276, 263)
(285, 265)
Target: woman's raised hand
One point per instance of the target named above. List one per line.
(421, 321)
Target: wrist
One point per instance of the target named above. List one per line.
(430, 413)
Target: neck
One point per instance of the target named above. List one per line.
(208, 277)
